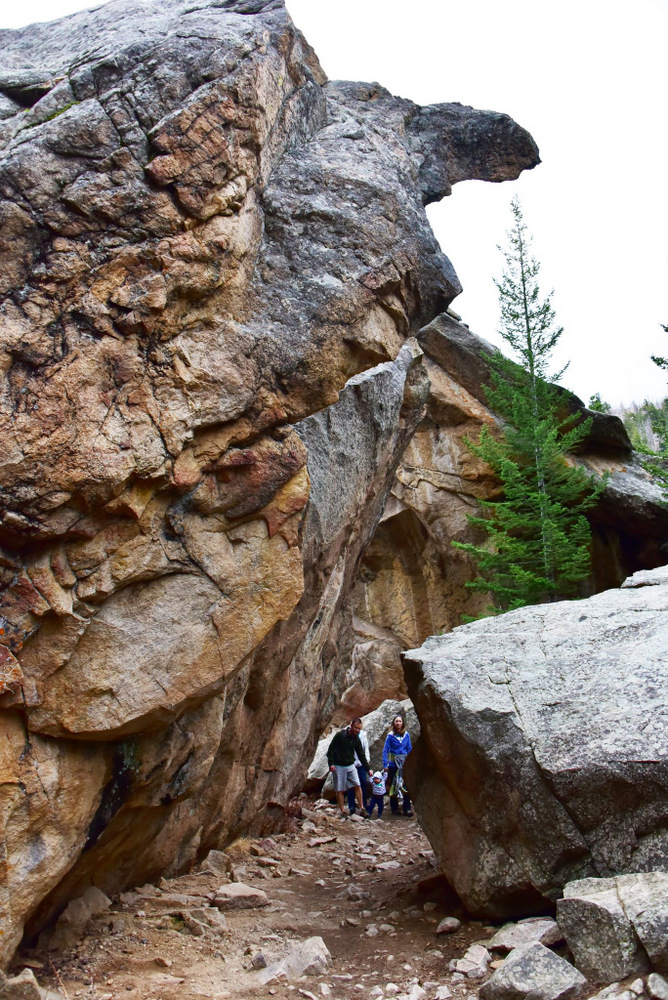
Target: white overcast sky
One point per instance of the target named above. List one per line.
(589, 80)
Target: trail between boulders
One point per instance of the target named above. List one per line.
(368, 888)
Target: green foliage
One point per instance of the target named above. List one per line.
(597, 404)
(537, 545)
(647, 427)
(661, 362)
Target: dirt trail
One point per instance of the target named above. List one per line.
(148, 946)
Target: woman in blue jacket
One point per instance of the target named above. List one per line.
(397, 748)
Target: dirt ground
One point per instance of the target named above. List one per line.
(323, 877)
(143, 947)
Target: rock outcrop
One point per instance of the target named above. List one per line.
(544, 755)
(203, 241)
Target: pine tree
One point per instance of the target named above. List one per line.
(661, 362)
(598, 404)
(538, 537)
(647, 427)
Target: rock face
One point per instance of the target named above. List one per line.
(544, 755)
(203, 241)
(219, 294)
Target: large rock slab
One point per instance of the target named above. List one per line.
(533, 972)
(544, 755)
(616, 927)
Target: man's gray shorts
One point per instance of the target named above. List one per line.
(345, 777)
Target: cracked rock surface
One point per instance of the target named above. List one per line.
(544, 755)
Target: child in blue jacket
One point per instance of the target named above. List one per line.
(377, 793)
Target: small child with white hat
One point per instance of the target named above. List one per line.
(377, 793)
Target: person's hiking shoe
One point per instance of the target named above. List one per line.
(409, 812)
(364, 814)
(343, 815)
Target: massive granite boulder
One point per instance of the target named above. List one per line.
(203, 242)
(544, 750)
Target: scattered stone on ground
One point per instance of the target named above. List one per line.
(533, 971)
(657, 987)
(616, 927)
(542, 929)
(333, 926)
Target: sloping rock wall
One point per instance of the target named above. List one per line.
(203, 241)
(544, 754)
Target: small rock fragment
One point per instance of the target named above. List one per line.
(657, 987)
(442, 993)
(238, 896)
(309, 958)
(448, 925)
(474, 963)
(542, 929)
(217, 862)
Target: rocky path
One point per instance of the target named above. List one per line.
(351, 908)
(366, 887)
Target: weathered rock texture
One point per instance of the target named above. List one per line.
(533, 972)
(202, 242)
(544, 755)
